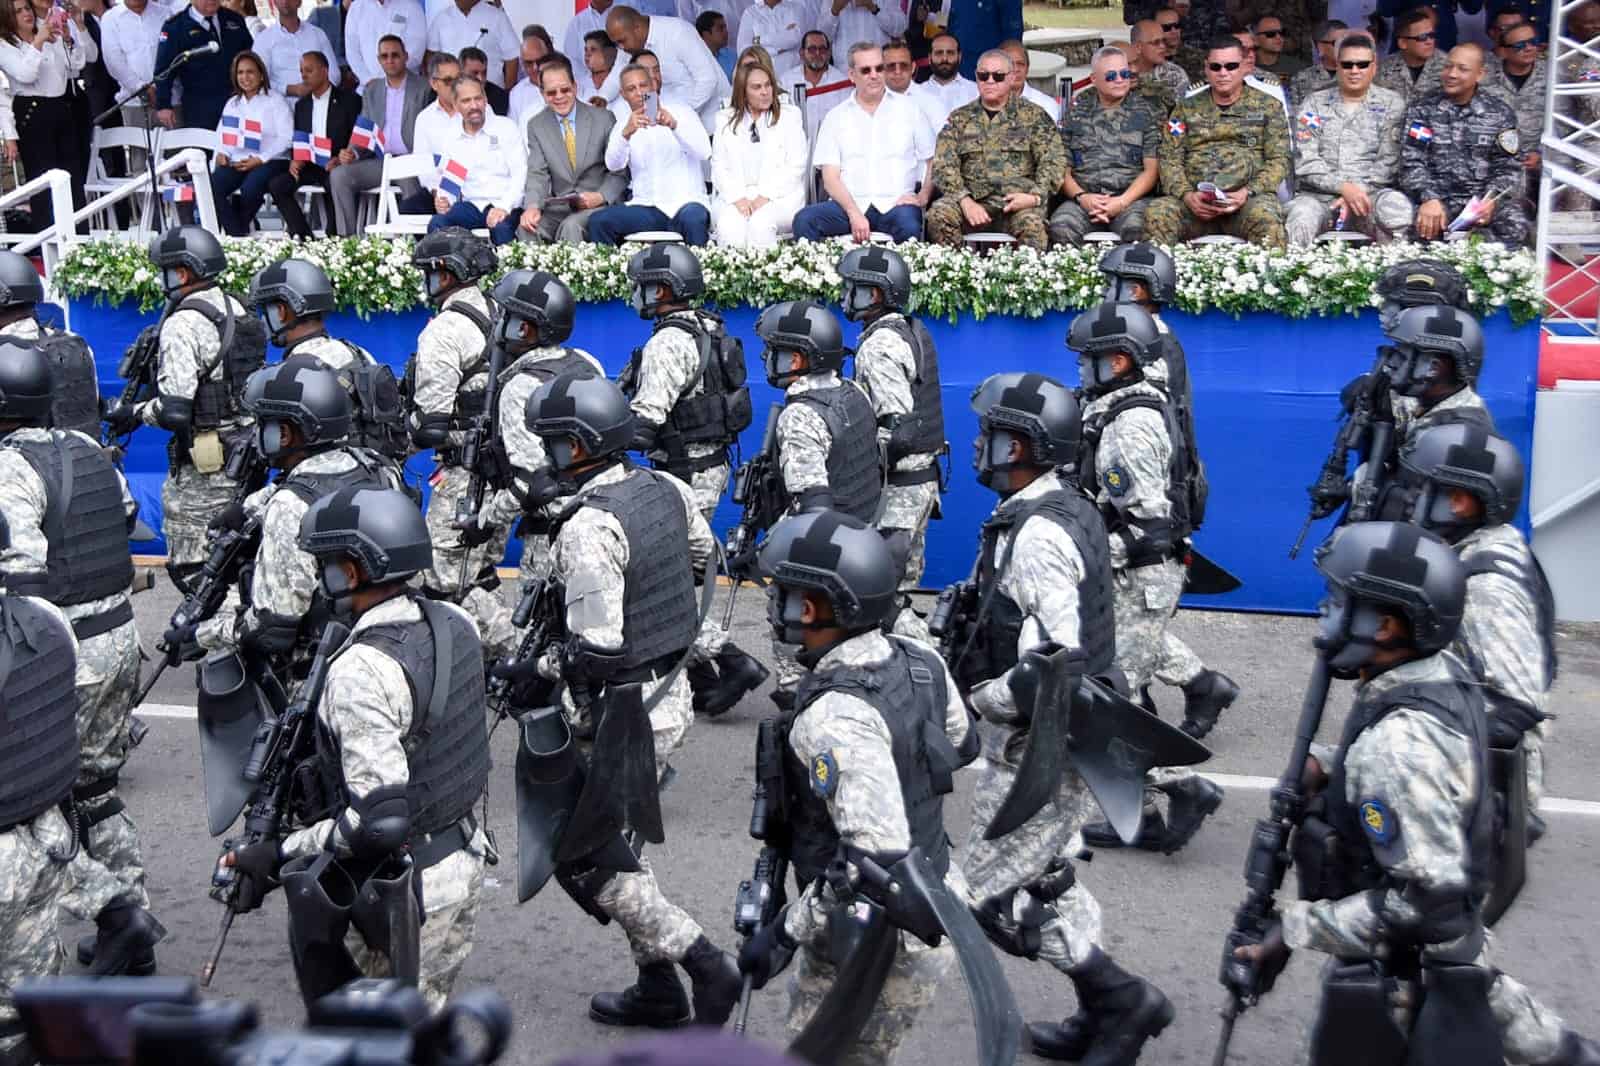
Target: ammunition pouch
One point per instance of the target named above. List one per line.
(175, 414)
(430, 431)
(320, 894)
(1321, 863)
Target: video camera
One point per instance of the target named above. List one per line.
(157, 1021)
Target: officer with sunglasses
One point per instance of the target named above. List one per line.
(1413, 69)
(1521, 81)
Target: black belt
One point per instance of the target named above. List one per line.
(691, 465)
(93, 625)
(646, 672)
(81, 794)
(433, 848)
(904, 478)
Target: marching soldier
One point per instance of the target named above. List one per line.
(68, 515)
(76, 384)
(1438, 353)
(209, 346)
(898, 367)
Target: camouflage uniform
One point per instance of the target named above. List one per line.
(1106, 151)
(1313, 79)
(1244, 145)
(1527, 102)
(448, 345)
(33, 881)
(1299, 18)
(1169, 77)
(1336, 142)
(1423, 774)
(669, 372)
(1394, 75)
(189, 343)
(986, 158)
(367, 708)
(106, 679)
(1411, 418)
(1452, 153)
(868, 812)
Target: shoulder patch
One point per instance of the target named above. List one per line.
(1177, 127)
(1379, 821)
(825, 774)
(1116, 480)
(1507, 141)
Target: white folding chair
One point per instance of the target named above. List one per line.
(397, 168)
(1218, 238)
(130, 141)
(175, 141)
(314, 204)
(1101, 236)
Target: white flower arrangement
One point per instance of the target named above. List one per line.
(372, 275)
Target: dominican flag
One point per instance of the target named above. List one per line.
(1420, 133)
(178, 194)
(368, 137)
(309, 149)
(452, 178)
(241, 134)
(252, 135)
(1177, 127)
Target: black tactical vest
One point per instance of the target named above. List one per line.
(84, 522)
(922, 431)
(1186, 483)
(1520, 566)
(377, 414)
(38, 711)
(715, 414)
(371, 471)
(547, 367)
(447, 746)
(469, 402)
(74, 382)
(241, 351)
(908, 691)
(659, 613)
(854, 474)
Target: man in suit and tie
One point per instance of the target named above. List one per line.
(566, 158)
(324, 111)
(391, 103)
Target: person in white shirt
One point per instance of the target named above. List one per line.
(777, 26)
(489, 146)
(600, 82)
(872, 150)
(129, 34)
(473, 23)
(620, 110)
(666, 157)
(39, 57)
(688, 69)
(525, 98)
(282, 47)
(852, 21)
(898, 67)
(580, 26)
(246, 167)
(758, 162)
(814, 71)
(367, 20)
(1019, 80)
(435, 127)
(947, 87)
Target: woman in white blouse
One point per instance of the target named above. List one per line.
(253, 114)
(758, 160)
(39, 56)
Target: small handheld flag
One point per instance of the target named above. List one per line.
(452, 178)
(368, 137)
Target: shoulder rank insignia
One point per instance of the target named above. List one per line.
(825, 775)
(1379, 821)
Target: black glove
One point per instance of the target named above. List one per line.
(1252, 978)
(256, 868)
(644, 438)
(230, 519)
(1354, 390)
(122, 420)
(474, 535)
(542, 490)
(767, 952)
(516, 669)
(180, 640)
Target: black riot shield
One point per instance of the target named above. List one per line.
(1114, 743)
(1354, 1023)
(233, 709)
(389, 918)
(619, 789)
(1508, 770)
(320, 895)
(857, 983)
(1050, 678)
(1204, 577)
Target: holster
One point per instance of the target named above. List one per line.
(387, 913)
(1354, 1021)
(320, 894)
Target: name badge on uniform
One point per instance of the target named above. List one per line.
(494, 142)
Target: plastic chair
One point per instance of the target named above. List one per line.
(397, 168)
(127, 140)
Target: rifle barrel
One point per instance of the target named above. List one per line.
(745, 998)
(150, 682)
(209, 970)
(1230, 1014)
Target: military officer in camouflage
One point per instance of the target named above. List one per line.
(996, 162)
(1323, 73)
(1347, 154)
(1234, 137)
(1463, 143)
(1273, 55)
(1113, 142)
(1414, 67)
(1147, 57)
(1521, 80)
(1296, 19)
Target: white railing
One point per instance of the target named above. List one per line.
(58, 183)
(1568, 235)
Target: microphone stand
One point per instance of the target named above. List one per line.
(158, 211)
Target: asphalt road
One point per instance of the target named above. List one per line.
(1164, 916)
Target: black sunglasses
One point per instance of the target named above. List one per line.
(1269, 33)
(1355, 64)
(1520, 45)
(1168, 27)
(1124, 75)
(870, 70)
(991, 75)
(1215, 67)
(1430, 35)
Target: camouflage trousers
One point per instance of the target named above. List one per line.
(708, 487)
(1178, 664)
(909, 507)
(670, 719)
(1144, 600)
(31, 884)
(451, 891)
(1310, 214)
(946, 224)
(1069, 223)
(1026, 854)
(657, 929)
(443, 579)
(1169, 221)
(189, 501)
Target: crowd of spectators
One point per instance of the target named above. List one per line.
(746, 122)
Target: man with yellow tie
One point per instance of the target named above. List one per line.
(567, 176)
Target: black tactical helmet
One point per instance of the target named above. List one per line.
(19, 282)
(803, 326)
(1035, 407)
(591, 409)
(304, 392)
(668, 264)
(455, 249)
(381, 529)
(25, 383)
(1419, 334)
(869, 267)
(301, 285)
(187, 246)
(1392, 565)
(1420, 283)
(1112, 329)
(836, 555)
(1464, 456)
(1143, 262)
(540, 299)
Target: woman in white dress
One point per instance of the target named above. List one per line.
(758, 161)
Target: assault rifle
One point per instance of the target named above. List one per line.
(1370, 410)
(279, 746)
(539, 616)
(138, 372)
(953, 613)
(758, 489)
(762, 897)
(1265, 867)
(480, 456)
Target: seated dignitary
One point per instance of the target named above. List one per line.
(600, 80)
(1113, 142)
(814, 75)
(872, 150)
(688, 70)
(255, 131)
(567, 176)
(1234, 140)
(1323, 73)
(946, 85)
(437, 125)
(390, 105)
(996, 162)
(898, 70)
(284, 44)
(663, 147)
(525, 98)
(1271, 58)
(1460, 144)
(482, 170)
(1522, 80)
(324, 117)
(1148, 59)
(1347, 154)
(758, 162)
(712, 26)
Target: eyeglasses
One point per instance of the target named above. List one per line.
(815, 48)
(1518, 46)
(1430, 35)
(991, 75)
(870, 70)
(1355, 64)
(1123, 75)
(1269, 33)
(897, 66)
(525, 62)
(1168, 27)
(1217, 67)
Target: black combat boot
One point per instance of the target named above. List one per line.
(657, 1000)
(783, 699)
(1576, 1051)
(143, 965)
(741, 672)
(1204, 700)
(1192, 800)
(1152, 832)
(703, 682)
(127, 938)
(1067, 1042)
(716, 979)
(1126, 1010)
